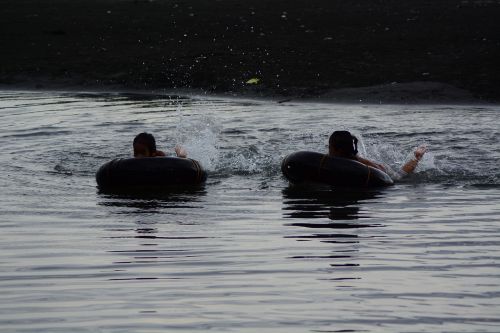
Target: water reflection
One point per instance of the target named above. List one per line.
(339, 205)
(335, 215)
(154, 230)
(148, 201)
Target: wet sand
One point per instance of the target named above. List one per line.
(299, 49)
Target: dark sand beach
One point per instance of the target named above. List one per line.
(296, 49)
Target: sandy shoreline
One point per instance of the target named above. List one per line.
(307, 50)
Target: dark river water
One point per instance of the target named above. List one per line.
(246, 252)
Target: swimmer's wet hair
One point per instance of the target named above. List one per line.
(345, 142)
(146, 139)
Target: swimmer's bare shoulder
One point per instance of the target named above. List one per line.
(159, 153)
(370, 163)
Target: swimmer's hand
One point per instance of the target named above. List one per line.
(420, 151)
(180, 152)
(411, 165)
(159, 153)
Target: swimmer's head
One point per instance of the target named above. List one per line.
(343, 144)
(144, 145)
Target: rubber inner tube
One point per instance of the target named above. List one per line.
(155, 172)
(306, 166)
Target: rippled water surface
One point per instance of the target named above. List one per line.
(246, 252)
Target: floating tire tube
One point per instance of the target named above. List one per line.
(306, 166)
(154, 172)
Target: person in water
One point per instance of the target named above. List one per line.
(344, 144)
(145, 146)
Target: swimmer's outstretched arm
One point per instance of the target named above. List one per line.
(180, 152)
(410, 166)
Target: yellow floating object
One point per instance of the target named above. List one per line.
(253, 81)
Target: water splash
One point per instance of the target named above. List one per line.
(395, 155)
(248, 160)
(199, 136)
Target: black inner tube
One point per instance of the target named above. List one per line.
(150, 172)
(306, 166)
